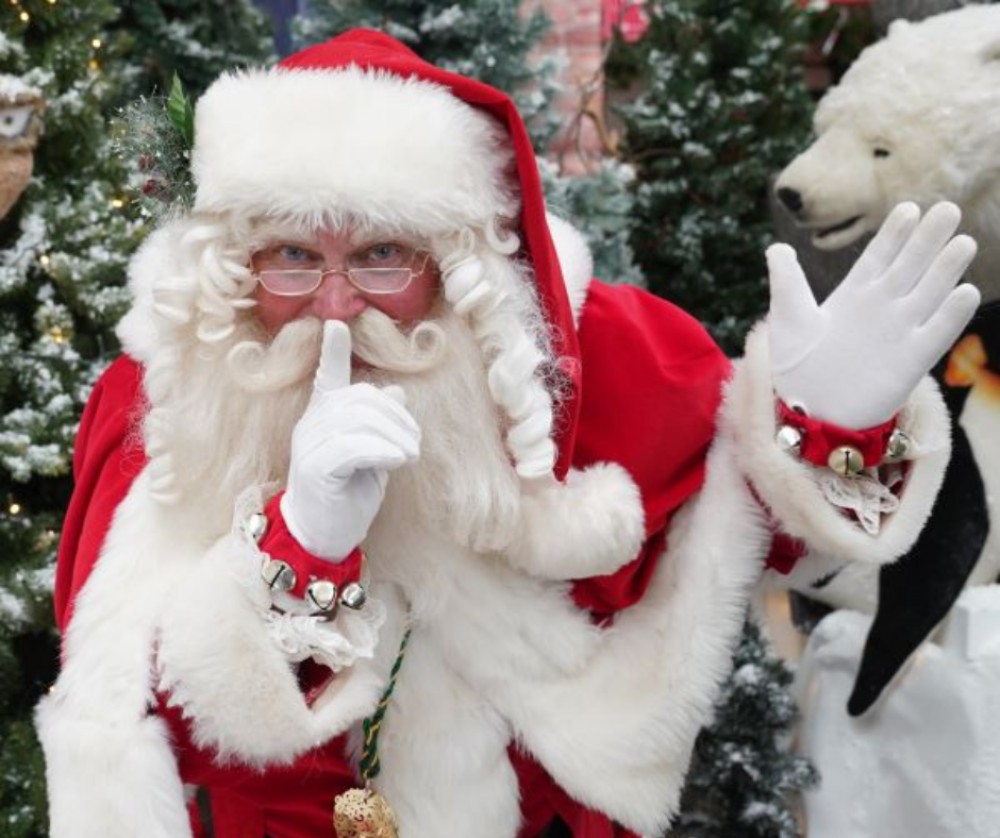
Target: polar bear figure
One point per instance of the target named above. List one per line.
(915, 118)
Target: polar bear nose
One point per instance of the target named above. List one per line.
(790, 198)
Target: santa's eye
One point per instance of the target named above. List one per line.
(881, 152)
(382, 255)
(285, 256)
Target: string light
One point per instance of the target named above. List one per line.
(14, 508)
(94, 64)
(117, 203)
(25, 17)
(96, 43)
(57, 334)
(44, 260)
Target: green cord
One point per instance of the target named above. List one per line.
(370, 765)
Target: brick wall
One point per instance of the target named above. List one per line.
(576, 30)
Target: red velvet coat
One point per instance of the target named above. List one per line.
(650, 386)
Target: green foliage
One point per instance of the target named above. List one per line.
(63, 249)
(194, 39)
(487, 39)
(600, 205)
(742, 775)
(721, 107)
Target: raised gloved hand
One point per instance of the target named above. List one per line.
(854, 360)
(343, 448)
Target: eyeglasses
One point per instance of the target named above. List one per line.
(269, 268)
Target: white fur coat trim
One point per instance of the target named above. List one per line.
(166, 608)
(618, 734)
(612, 714)
(401, 153)
(788, 484)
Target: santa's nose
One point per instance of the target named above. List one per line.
(337, 299)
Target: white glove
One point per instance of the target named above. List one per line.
(854, 360)
(343, 447)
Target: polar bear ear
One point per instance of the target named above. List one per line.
(897, 26)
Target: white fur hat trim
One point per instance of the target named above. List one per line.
(329, 144)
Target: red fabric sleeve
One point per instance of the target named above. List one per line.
(107, 457)
(651, 386)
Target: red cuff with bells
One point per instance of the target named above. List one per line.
(819, 439)
(280, 544)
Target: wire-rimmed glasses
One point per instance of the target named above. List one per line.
(297, 282)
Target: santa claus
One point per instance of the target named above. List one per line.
(387, 491)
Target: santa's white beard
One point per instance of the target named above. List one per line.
(464, 485)
(236, 405)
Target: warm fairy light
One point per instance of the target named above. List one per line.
(117, 203)
(96, 43)
(14, 508)
(57, 334)
(44, 260)
(25, 17)
(93, 64)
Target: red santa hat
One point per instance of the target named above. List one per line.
(360, 126)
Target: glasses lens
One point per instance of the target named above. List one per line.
(290, 283)
(380, 280)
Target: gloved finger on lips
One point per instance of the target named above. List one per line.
(334, 370)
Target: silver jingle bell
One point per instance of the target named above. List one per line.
(353, 596)
(256, 525)
(898, 447)
(789, 439)
(279, 575)
(846, 461)
(322, 593)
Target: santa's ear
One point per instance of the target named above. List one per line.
(991, 52)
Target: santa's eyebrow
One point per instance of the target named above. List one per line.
(362, 239)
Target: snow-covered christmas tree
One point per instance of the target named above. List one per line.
(721, 106)
(743, 777)
(65, 67)
(63, 248)
(197, 39)
(486, 39)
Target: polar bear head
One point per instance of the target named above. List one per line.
(916, 118)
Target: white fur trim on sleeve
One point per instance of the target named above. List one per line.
(108, 778)
(617, 734)
(789, 487)
(224, 659)
(590, 525)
